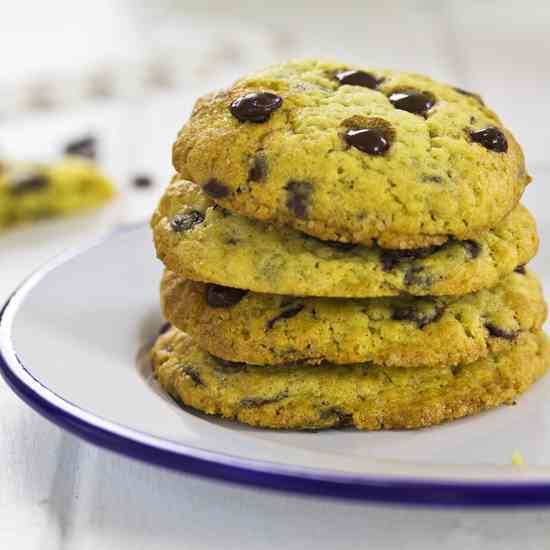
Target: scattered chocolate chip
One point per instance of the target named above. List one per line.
(358, 78)
(472, 248)
(421, 318)
(470, 94)
(521, 269)
(165, 327)
(368, 140)
(184, 222)
(21, 183)
(491, 138)
(261, 401)
(258, 170)
(193, 374)
(255, 106)
(215, 189)
(223, 296)
(142, 181)
(342, 418)
(298, 194)
(498, 332)
(391, 258)
(431, 178)
(418, 103)
(83, 147)
(286, 314)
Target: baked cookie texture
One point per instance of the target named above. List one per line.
(363, 395)
(199, 240)
(32, 191)
(354, 154)
(406, 332)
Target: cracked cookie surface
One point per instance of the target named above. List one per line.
(353, 154)
(201, 241)
(406, 331)
(362, 395)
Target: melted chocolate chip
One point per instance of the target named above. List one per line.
(368, 140)
(223, 296)
(491, 138)
(521, 269)
(215, 189)
(421, 318)
(286, 314)
(26, 182)
(416, 275)
(418, 103)
(258, 170)
(165, 327)
(358, 78)
(499, 332)
(142, 181)
(184, 222)
(477, 97)
(85, 147)
(298, 194)
(392, 258)
(228, 367)
(193, 374)
(261, 401)
(256, 106)
(472, 248)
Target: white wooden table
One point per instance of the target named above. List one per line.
(58, 492)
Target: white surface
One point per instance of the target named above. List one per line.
(57, 492)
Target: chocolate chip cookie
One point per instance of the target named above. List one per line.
(237, 325)
(354, 154)
(362, 395)
(31, 191)
(202, 241)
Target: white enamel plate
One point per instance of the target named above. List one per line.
(69, 343)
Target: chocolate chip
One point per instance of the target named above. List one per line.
(83, 147)
(165, 327)
(431, 178)
(223, 296)
(477, 97)
(368, 140)
(498, 332)
(421, 318)
(258, 170)
(298, 194)
(286, 314)
(521, 269)
(358, 78)
(342, 418)
(255, 106)
(261, 401)
(215, 189)
(193, 374)
(418, 103)
(392, 258)
(472, 248)
(416, 275)
(184, 222)
(491, 138)
(142, 181)
(21, 183)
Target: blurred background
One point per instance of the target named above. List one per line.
(128, 71)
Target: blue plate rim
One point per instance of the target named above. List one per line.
(258, 473)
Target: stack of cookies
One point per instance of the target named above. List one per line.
(345, 246)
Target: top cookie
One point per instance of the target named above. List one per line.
(354, 155)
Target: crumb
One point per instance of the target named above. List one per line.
(85, 146)
(517, 458)
(141, 181)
